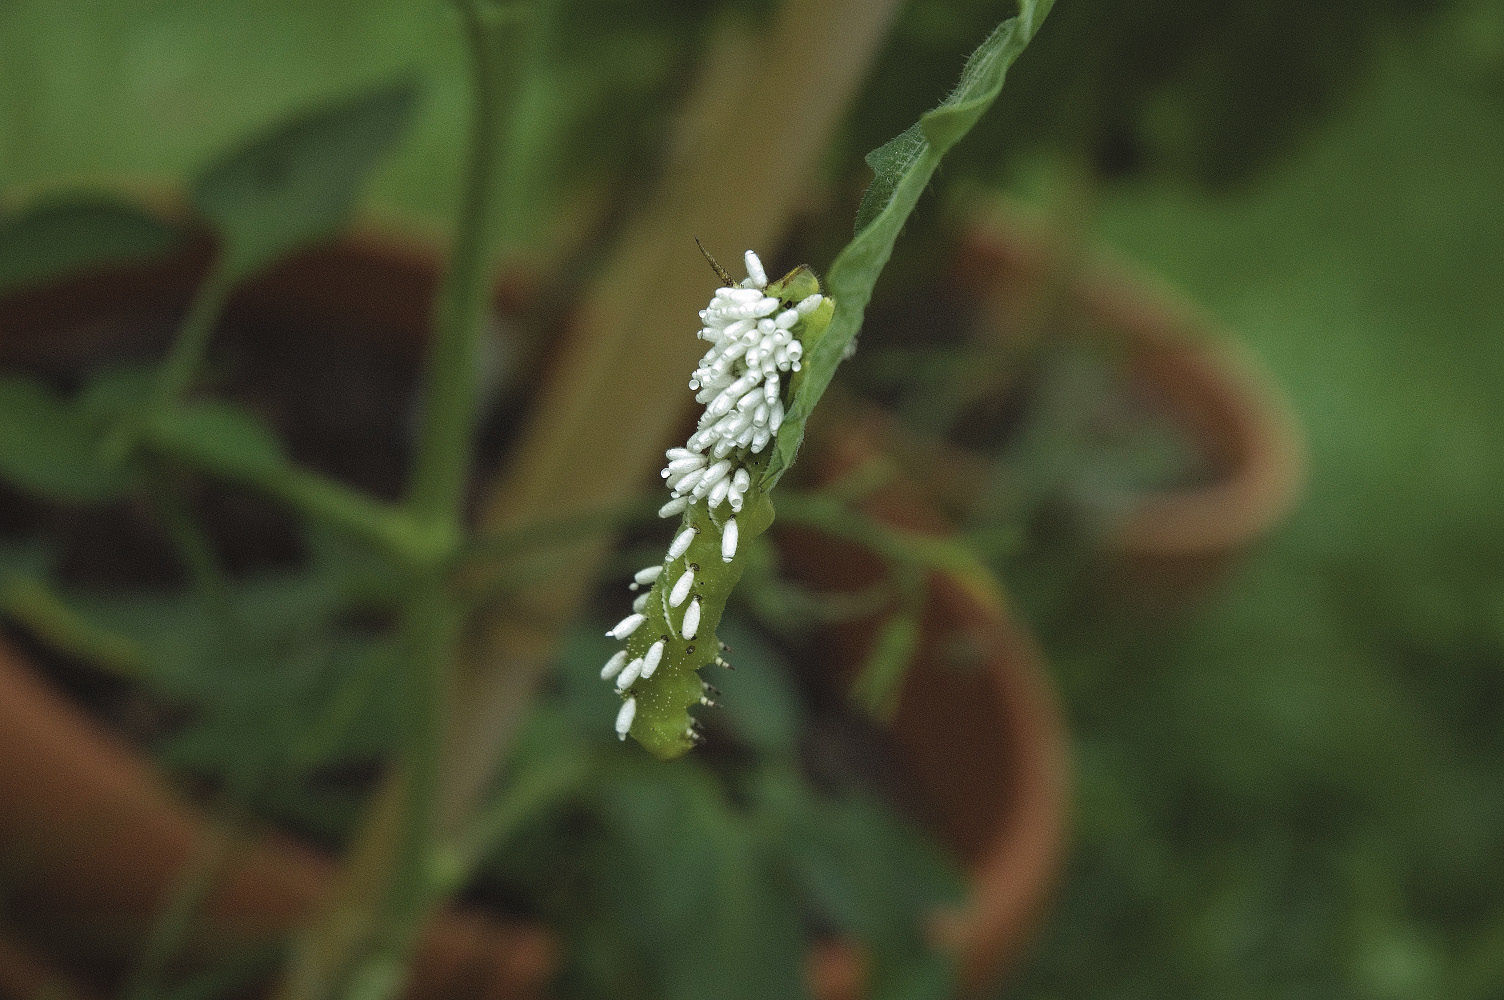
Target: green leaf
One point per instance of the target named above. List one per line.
(59, 236)
(51, 449)
(222, 438)
(270, 683)
(25, 558)
(295, 183)
(867, 872)
(698, 892)
(283, 710)
(115, 394)
(902, 168)
(889, 163)
(877, 686)
(759, 699)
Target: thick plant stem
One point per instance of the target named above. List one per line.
(358, 947)
(429, 630)
(787, 86)
(451, 391)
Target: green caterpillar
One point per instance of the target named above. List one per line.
(758, 332)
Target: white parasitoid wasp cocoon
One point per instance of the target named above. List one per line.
(758, 333)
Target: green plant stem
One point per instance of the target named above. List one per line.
(30, 603)
(190, 344)
(781, 603)
(186, 359)
(317, 497)
(194, 549)
(360, 945)
(877, 685)
(502, 565)
(429, 631)
(909, 548)
(499, 818)
(451, 391)
(430, 627)
(431, 623)
(862, 481)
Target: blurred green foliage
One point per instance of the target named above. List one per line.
(50, 238)
(1193, 90)
(295, 723)
(1198, 92)
(1296, 792)
(294, 185)
(763, 860)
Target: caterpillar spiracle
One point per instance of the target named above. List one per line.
(758, 331)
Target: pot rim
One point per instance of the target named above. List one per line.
(1205, 376)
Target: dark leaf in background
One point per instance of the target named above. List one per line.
(759, 701)
(57, 237)
(860, 868)
(270, 685)
(704, 880)
(296, 183)
(698, 890)
(114, 393)
(50, 449)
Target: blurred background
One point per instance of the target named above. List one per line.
(1288, 787)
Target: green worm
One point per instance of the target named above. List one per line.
(758, 332)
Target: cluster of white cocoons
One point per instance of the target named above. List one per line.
(739, 381)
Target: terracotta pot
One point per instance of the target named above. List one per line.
(107, 839)
(97, 844)
(1166, 546)
(982, 739)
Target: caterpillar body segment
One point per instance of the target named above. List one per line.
(758, 333)
(661, 721)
